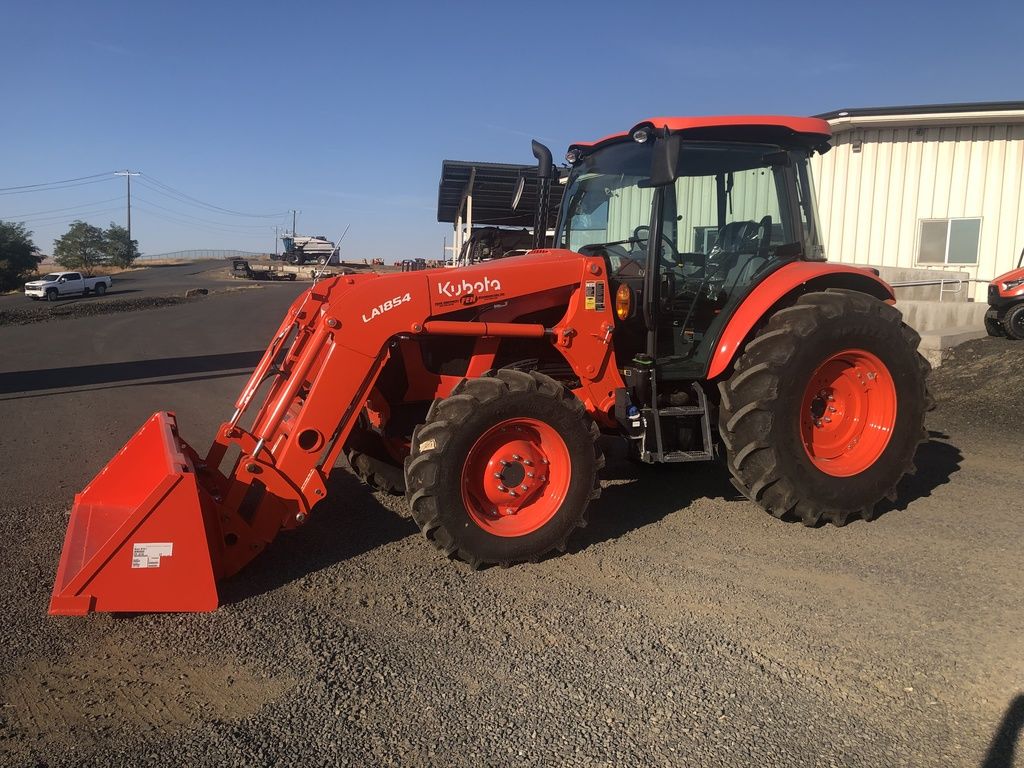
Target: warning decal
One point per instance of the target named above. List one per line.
(148, 555)
(594, 296)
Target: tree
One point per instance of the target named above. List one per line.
(119, 249)
(18, 254)
(80, 248)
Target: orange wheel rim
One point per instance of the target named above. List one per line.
(848, 413)
(515, 477)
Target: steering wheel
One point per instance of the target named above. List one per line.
(765, 226)
(642, 238)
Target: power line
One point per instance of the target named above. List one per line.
(51, 183)
(199, 218)
(196, 201)
(58, 210)
(195, 225)
(56, 188)
(51, 220)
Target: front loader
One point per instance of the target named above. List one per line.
(686, 308)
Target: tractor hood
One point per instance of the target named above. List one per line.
(489, 281)
(1009, 284)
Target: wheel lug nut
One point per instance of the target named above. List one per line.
(830, 398)
(498, 475)
(529, 474)
(543, 461)
(817, 422)
(512, 493)
(543, 479)
(831, 409)
(517, 457)
(502, 488)
(527, 462)
(523, 488)
(828, 420)
(503, 463)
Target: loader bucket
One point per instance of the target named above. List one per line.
(139, 534)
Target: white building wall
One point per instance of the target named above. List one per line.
(871, 202)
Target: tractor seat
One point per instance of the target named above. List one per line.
(739, 251)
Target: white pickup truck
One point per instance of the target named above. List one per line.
(51, 287)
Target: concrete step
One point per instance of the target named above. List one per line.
(943, 324)
(926, 316)
(936, 344)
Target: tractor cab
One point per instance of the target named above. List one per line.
(689, 217)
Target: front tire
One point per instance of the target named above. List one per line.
(52, 295)
(503, 469)
(825, 410)
(1013, 322)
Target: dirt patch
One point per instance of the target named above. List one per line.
(120, 689)
(982, 378)
(42, 313)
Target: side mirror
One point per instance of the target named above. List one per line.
(62, 279)
(665, 158)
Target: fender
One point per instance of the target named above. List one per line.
(783, 281)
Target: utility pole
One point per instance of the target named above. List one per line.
(293, 221)
(128, 177)
(275, 240)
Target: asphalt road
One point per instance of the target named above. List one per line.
(683, 627)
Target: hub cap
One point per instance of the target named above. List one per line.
(848, 413)
(516, 476)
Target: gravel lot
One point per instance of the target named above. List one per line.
(683, 627)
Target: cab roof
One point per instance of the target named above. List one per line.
(781, 129)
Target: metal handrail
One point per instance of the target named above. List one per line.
(941, 282)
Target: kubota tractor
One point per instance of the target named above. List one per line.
(686, 307)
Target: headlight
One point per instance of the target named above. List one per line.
(1011, 284)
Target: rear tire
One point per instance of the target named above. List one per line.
(1013, 322)
(539, 441)
(101, 289)
(781, 452)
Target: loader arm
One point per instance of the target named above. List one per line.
(318, 372)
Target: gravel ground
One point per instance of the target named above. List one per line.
(684, 627)
(90, 306)
(40, 312)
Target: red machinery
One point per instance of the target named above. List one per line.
(687, 309)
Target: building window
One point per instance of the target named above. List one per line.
(949, 241)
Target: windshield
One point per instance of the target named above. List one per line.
(730, 197)
(606, 194)
(53, 276)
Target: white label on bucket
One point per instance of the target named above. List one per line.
(148, 555)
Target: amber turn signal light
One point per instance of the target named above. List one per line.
(623, 302)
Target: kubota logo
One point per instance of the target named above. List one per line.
(465, 287)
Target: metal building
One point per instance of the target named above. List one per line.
(939, 186)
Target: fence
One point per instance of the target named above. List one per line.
(196, 255)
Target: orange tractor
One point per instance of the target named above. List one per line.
(686, 307)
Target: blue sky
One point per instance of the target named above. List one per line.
(346, 110)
